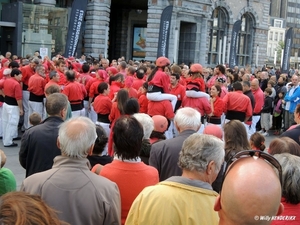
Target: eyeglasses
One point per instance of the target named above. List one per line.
(253, 153)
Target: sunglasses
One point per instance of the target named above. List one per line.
(253, 153)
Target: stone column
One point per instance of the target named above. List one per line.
(97, 28)
(45, 2)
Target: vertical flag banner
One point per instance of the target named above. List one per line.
(234, 39)
(75, 24)
(287, 51)
(164, 31)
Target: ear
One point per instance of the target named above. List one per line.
(210, 169)
(217, 206)
(90, 151)
(57, 143)
(280, 209)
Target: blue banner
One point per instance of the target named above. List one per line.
(287, 51)
(234, 40)
(75, 24)
(164, 31)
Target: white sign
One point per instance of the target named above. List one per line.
(43, 52)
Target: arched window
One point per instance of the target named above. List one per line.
(245, 41)
(218, 30)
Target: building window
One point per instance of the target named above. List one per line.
(245, 40)
(271, 35)
(278, 23)
(218, 30)
(280, 36)
(276, 36)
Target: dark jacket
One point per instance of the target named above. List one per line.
(38, 146)
(164, 155)
(293, 133)
(268, 105)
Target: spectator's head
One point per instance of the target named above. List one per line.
(76, 137)
(147, 123)
(202, 154)
(251, 188)
(85, 68)
(214, 130)
(235, 138)
(237, 86)
(70, 75)
(24, 208)
(57, 105)
(101, 140)
(132, 106)
(255, 84)
(35, 119)
(284, 145)
(52, 89)
(257, 141)
(290, 176)
(127, 137)
(187, 119)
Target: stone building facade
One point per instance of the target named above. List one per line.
(200, 31)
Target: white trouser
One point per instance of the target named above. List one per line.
(93, 115)
(255, 120)
(158, 96)
(196, 94)
(106, 127)
(37, 107)
(86, 107)
(78, 113)
(169, 132)
(200, 131)
(248, 130)
(10, 121)
(25, 101)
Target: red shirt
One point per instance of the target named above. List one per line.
(27, 72)
(114, 113)
(200, 104)
(237, 101)
(291, 210)
(89, 83)
(114, 87)
(75, 92)
(36, 84)
(218, 107)
(212, 80)
(132, 93)
(62, 78)
(259, 100)
(143, 102)
(137, 83)
(161, 79)
(163, 108)
(86, 76)
(138, 176)
(93, 91)
(178, 91)
(102, 104)
(12, 88)
(197, 83)
(50, 83)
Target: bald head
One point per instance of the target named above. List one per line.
(254, 84)
(251, 188)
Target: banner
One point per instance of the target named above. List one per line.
(164, 32)
(75, 24)
(287, 51)
(234, 39)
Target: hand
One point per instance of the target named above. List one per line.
(21, 112)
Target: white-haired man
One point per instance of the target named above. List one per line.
(81, 196)
(186, 199)
(164, 154)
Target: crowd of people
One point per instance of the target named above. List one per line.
(149, 143)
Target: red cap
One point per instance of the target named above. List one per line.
(160, 123)
(162, 61)
(196, 68)
(112, 69)
(4, 60)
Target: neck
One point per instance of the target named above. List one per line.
(194, 175)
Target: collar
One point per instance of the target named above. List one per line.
(135, 160)
(65, 161)
(190, 182)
